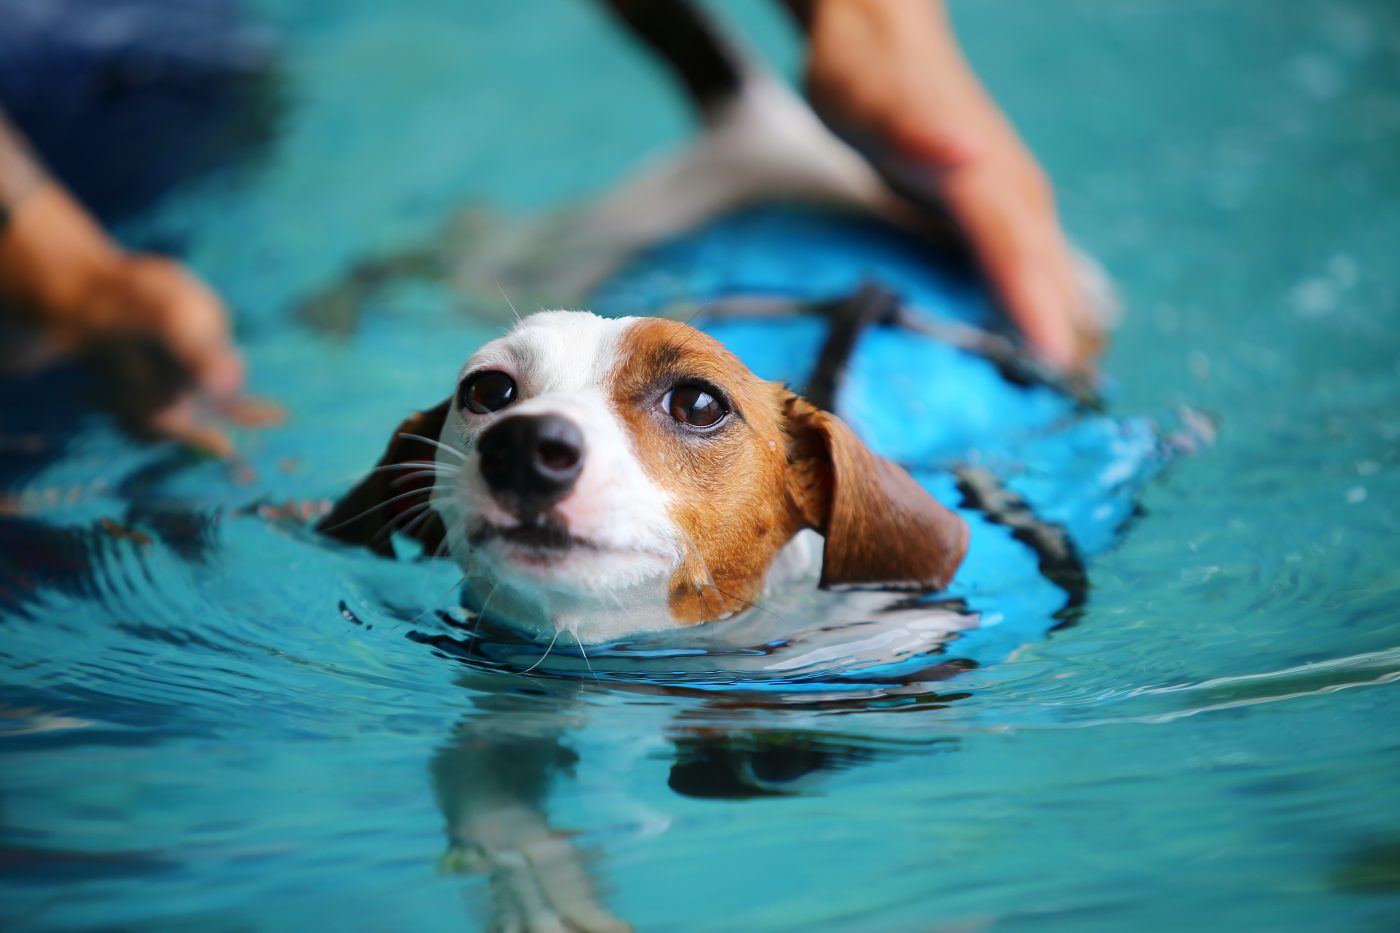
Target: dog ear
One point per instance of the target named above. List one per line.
(370, 512)
(882, 528)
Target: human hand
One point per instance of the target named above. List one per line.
(887, 75)
(156, 337)
(158, 342)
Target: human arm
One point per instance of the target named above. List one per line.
(158, 335)
(889, 77)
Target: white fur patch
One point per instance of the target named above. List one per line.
(615, 583)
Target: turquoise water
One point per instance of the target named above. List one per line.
(197, 732)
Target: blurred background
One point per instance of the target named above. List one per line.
(1213, 744)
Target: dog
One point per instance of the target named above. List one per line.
(627, 478)
(608, 476)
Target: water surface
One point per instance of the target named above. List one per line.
(211, 719)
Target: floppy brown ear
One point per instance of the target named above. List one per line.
(372, 510)
(882, 528)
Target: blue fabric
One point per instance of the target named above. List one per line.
(143, 95)
(922, 403)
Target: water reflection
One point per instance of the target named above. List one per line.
(492, 779)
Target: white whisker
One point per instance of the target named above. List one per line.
(416, 464)
(545, 655)
(418, 512)
(419, 475)
(481, 613)
(439, 444)
(377, 506)
(510, 304)
(425, 511)
(432, 605)
(582, 652)
(444, 544)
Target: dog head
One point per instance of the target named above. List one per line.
(604, 476)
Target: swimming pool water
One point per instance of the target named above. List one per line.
(209, 719)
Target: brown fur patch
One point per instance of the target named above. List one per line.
(739, 493)
(778, 465)
(882, 528)
(729, 487)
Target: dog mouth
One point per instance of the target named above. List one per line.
(546, 551)
(544, 535)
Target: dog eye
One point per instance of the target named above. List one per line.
(485, 392)
(695, 405)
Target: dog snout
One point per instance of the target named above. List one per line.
(530, 462)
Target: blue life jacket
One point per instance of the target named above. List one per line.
(944, 413)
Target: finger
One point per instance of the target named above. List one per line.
(1042, 227)
(245, 411)
(1015, 246)
(183, 312)
(219, 369)
(1086, 325)
(206, 351)
(182, 422)
(1071, 273)
(910, 136)
(1007, 213)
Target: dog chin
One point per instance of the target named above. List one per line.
(545, 556)
(593, 593)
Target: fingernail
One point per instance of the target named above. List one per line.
(1043, 321)
(223, 376)
(1056, 346)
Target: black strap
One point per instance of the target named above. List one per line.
(850, 317)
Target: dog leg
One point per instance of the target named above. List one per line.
(761, 141)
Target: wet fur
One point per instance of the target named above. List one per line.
(733, 498)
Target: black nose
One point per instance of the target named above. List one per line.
(530, 462)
